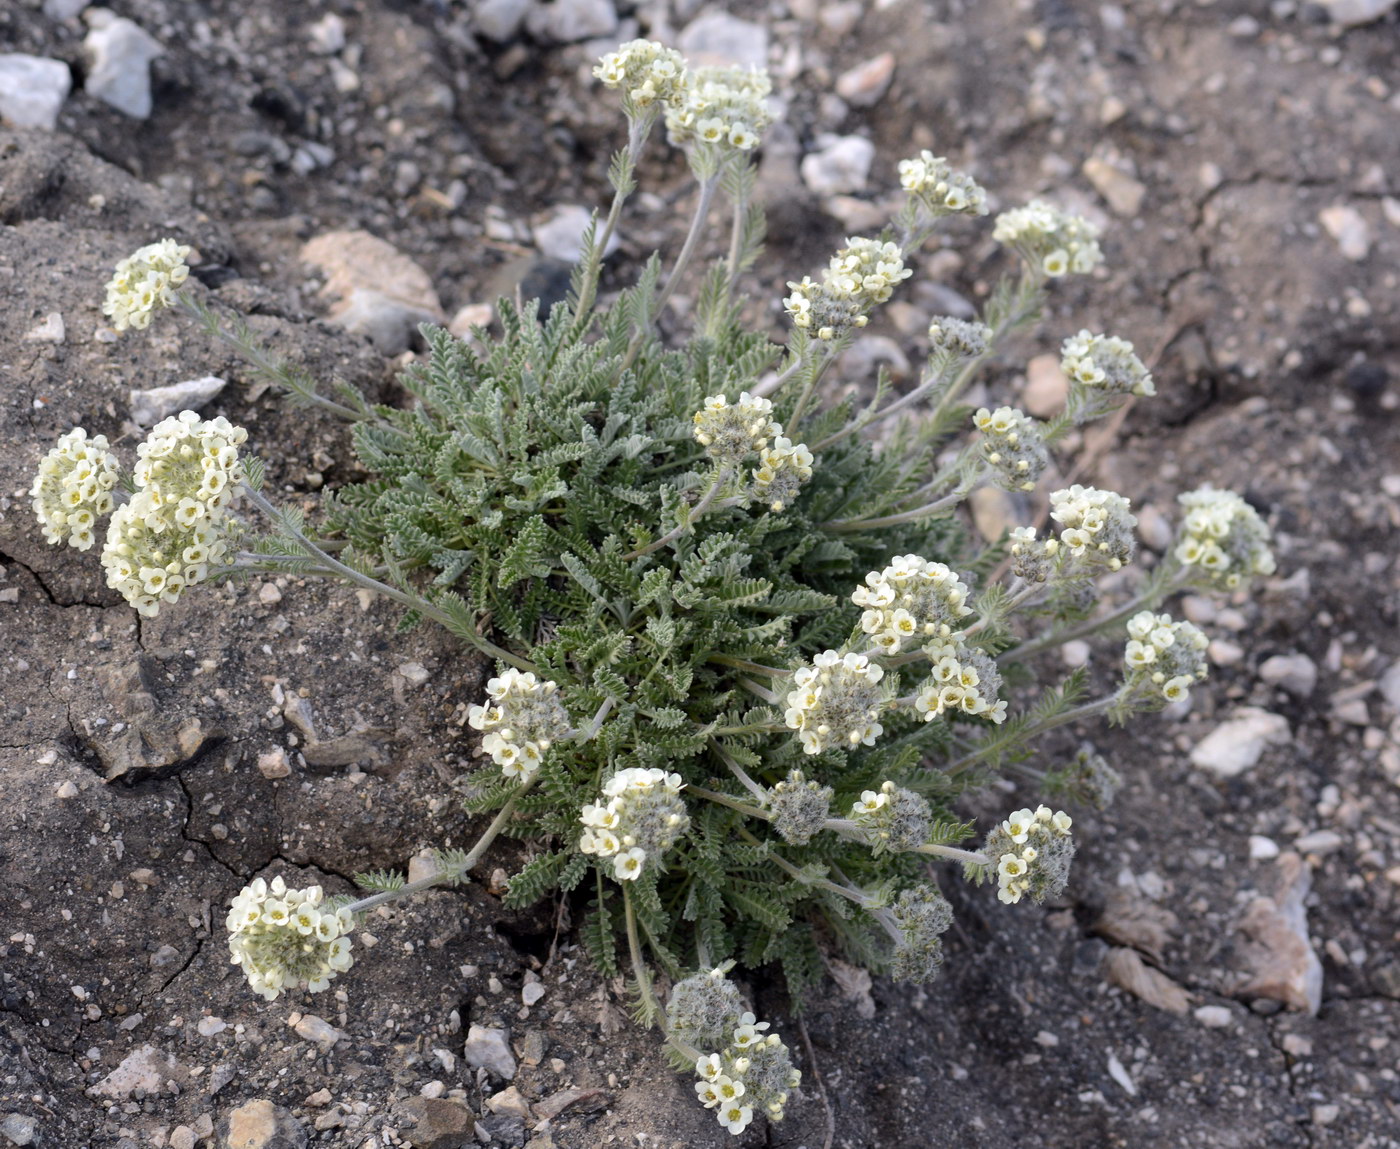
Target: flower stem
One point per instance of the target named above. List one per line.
(1076, 714)
(722, 476)
(639, 966)
(846, 526)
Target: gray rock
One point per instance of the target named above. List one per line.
(51, 330)
(32, 90)
(1213, 1016)
(377, 290)
(498, 20)
(260, 1125)
(120, 54)
(509, 1102)
(560, 235)
(1121, 191)
(841, 165)
(21, 1130)
(1235, 746)
(569, 21)
(318, 1030)
(438, 1123)
(1390, 687)
(147, 1069)
(1319, 842)
(1296, 673)
(1352, 13)
(327, 35)
(489, 1048)
(64, 9)
(1280, 962)
(151, 406)
(503, 1129)
(717, 38)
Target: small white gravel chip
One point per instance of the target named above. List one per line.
(1121, 1075)
(1214, 1016)
(209, 1026)
(532, 992)
(1262, 849)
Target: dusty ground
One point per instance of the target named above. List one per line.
(1276, 359)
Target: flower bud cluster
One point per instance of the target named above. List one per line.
(1105, 363)
(799, 807)
(836, 701)
(1224, 537)
(641, 818)
(647, 73)
(1098, 527)
(860, 276)
(523, 718)
(175, 526)
(1090, 778)
(143, 282)
(958, 338)
(723, 107)
(940, 188)
(1165, 656)
(964, 679)
(73, 487)
(911, 598)
(1013, 446)
(922, 915)
(1032, 852)
(894, 819)
(781, 471)
(730, 434)
(287, 939)
(1050, 240)
(752, 1073)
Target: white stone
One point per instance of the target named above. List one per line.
(560, 234)
(64, 9)
(147, 1068)
(1296, 673)
(1349, 228)
(150, 407)
(1390, 687)
(865, 85)
(841, 165)
(32, 90)
(1076, 653)
(1319, 842)
(1351, 13)
(1262, 849)
(531, 992)
(273, 764)
(717, 38)
(1047, 387)
(489, 1048)
(317, 1029)
(498, 20)
(569, 21)
(120, 54)
(1214, 1016)
(1235, 746)
(415, 672)
(51, 330)
(1223, 653)
(209, 1026)
(469, 316)
(327, 35)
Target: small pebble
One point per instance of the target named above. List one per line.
(1262, 849)
(1214, 1016)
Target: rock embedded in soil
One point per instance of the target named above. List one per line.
(865, 85)
(1121, 190)
(719, 39)
(375, 289)
(569, 21)
(146, 1069)
(489, 1048)
(842, 164)
(1349, 228)
(1354, 13)
(32, 90)
(260, 1125)
(439, 1123)
(1281, 964)
(154, 404)
(120, 52)
(1235, 746)
(1296, 673)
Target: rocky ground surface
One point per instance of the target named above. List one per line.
(1225, 969)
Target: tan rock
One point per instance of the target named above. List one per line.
(1125, 968)
(374, 289)
(1280, 963)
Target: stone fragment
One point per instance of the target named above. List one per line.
(509, 1101)
(1354, 13)
(1262, 849)
(1319, 842)
(569, 21)
(260, 1125)
(498, 20)
(183, 1137)
(20, 1130)
(560, 235)
(531, 992)
(865, 85)
(1213, 1016)
(154, 404)
(119, 52)
(49, 330)
(489, 1048)
(501, 1129)
(579, 1100)
(1349, 228)
(1389, 684)
(32, 90)
(318, 1030)
(147, 1068)
(1296, 673)
(1047, 387)
(273, 764)
(1235, 746)
(64, 9)
(1280, 964)
(1125, 968)
(439, 1123)
(717, 38)
(841, 164)
(210, 1026)
(1129, 920)
(374, 288)
(994, 512)
(1121, 191)
(415, 673)
(327, 35)
(470, 316)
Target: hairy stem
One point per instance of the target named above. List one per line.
(721, 477)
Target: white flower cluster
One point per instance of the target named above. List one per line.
(1224, 537)
(964, 679)
(73, 487)
(1098, 526)
(941, 188)
(284, 939)
(911, 598)
(894, 819)
(1032, 852)
(1013, 446)
(958, 338)
(722, 107)
(781, 471)
(642, 817)
(1050, 240)
(143, 282)
(647, 73)
(860, 276)
(174, 528)
(523, 718)
(837, 700)
(1105, 363)
(1166, 656)
(753, 1072)
(731, 432)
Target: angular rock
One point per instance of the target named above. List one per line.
(1125, 968)
(438, 1123)
(1353, 13)
(1389, 684)
(489, 1048)
(865, 85)
(502, 1129)
(1213, 1016)
(1121, 191)
(51, 330)
(20, 1130)
(318, 1030)
(1047, 387)
(580, 1100)
(147, 1069)
(560, 235)
(1349, 228)
(260, 1125)
(1280, 963)
(717, 38)
(498, 20)
(840, 165)
(1296, 673)
(376, 290)
(120, 52)
(1132, 921)
(32, 90)
(510, 1102)
(1235, 746)
(64, 9)
(569, 21)
(154, 404)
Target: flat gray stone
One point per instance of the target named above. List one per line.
(151, 406)
(569, 21)
(840, 165)
(717, 39)
(1235, 746)
(32, 90)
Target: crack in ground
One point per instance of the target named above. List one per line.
(49, 594)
